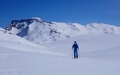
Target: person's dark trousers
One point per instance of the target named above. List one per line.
(75, 54)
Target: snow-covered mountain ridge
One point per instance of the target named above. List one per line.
(38, 31)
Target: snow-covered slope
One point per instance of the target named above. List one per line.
(103, 28)
(99, 54)
(4, 31)
(39, 31)
(5, 36)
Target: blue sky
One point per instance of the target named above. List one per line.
(80, 11)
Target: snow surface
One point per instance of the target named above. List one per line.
(99, 54)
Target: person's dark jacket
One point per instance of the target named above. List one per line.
(75, 46)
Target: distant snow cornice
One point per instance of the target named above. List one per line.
(37, 18)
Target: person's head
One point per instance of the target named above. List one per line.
(75, 42)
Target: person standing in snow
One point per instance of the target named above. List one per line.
(75, 48)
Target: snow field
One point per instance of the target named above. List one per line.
(99, 55)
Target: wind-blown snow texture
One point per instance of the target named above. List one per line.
(39, 31)
(99, 54)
